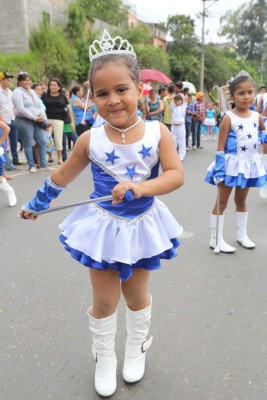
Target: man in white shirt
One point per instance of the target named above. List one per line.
(7, 115)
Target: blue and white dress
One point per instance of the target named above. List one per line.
(129, 235)
(244, 166)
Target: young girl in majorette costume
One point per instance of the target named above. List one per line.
(120, 242)
(238, 163)
(263, 189)
(210, 121)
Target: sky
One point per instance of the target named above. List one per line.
(159, 10)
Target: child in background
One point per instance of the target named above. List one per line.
(197, 120)
(69, 134)
(188, 119)
(178, 124)
(114, 238)
(238, 163)
(4, 185)
(210, 121)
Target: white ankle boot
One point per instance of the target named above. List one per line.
(11, 197)
(137, 324)
(103, 337)
(223, 246)
(241, 230)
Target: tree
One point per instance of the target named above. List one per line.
(184, 58)
(115, 13)
(247, 26)
(57, 57)
(152, 58)
(182, 30)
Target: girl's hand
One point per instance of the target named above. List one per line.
(119, 191)
(25, 215)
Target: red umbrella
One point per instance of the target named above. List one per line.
(153, 75)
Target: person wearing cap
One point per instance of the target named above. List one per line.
(29, 121)
(198, 118)
(7, 114)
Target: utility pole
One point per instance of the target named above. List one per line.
(202, 61)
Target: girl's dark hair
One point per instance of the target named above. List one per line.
(130, 62)
(236, 81)
(54, 80)
(178, 97)
(75, 89)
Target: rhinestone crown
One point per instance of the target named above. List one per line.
(109, 45)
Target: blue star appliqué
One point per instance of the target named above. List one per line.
(145, 151)
(240, 127)
(111, 157)
(249, 136)
(254, 124)
(131, 172)
(243, 148)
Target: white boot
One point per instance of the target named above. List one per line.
(241, 230)
(137, 324)
(5, 186)
(263, 191)
(223, 246)
(103, 337)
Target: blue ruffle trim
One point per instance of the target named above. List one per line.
(124, 269)
(239, 181)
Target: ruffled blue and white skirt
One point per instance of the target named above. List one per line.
(99, 239)
(240, 172)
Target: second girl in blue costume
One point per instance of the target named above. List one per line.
(238, 163)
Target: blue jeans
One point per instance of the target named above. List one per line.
(1, 168)
(13, 140)
(73, 136)
(8, 164)
(196, 132)
(29, 130)
(188, 128)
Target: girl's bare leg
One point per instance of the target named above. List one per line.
(135, 290)
(225, 192)
(106, 292)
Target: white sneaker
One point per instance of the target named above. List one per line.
(32, 170)
(12, 199)
(194, 148)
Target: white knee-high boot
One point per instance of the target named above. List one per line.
(223, 246)
(103, 337)
(137, 324)
(241, 230)
(6, 187)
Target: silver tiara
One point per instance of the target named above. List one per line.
(109, 45)
(242, 73)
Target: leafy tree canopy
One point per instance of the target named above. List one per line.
(247, 26)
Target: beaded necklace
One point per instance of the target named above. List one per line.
(123, 131)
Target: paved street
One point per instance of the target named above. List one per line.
(209, 318)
